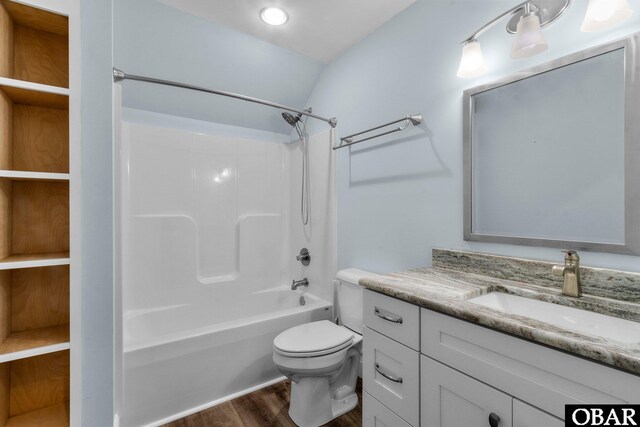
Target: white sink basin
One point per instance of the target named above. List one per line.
(581, 321)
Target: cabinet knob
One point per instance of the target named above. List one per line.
(494, 420)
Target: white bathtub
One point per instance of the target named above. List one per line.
(182, 359)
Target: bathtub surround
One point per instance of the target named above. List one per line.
(448, 285)
(210, 219)
(319, 236)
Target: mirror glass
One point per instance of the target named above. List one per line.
(546, 155)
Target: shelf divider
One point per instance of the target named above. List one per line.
(34, 260)
(35, 342)
(33, 176)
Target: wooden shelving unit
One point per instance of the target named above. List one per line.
(34, 217)
(37, 389)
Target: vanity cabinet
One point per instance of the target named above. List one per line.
(452, 399)
(454, 373)
(391, 360)
(545, 378)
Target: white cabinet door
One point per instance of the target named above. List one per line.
(527, 416)
(452, 399)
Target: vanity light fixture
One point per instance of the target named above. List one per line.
(602, 14)
(472, 62)
(273, 16)
(526, 21)
(529, 38)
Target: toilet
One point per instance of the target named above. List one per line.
(322, 359)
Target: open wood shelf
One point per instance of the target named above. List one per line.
(34, 260)
(34, 44)
(53, 416)
(34, 216)
(34, 130)
(33, 94)
(35, 342)
(33, 176)
(35, 391)
(34, 312)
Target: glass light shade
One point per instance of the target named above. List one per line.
(273, 16)
(529, 38)
(602, 14)
(472, 61)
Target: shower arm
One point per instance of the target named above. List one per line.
(119, 75)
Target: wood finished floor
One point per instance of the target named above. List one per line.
(263, 408)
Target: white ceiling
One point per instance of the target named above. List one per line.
(320, 29)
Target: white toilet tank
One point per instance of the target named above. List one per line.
(349, 297)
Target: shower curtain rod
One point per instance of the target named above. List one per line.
(119, 75)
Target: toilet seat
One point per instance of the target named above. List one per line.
(313, 339)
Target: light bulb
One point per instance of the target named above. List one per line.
(472, 62)
(529, 38)
(273, 16)
(602, 14)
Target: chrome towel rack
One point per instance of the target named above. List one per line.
(414, 119)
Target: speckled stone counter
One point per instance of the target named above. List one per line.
(457, 276)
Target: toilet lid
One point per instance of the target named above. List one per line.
(313, 339)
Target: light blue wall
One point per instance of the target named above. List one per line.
(97, 214)
(156, 40)
(399, 198)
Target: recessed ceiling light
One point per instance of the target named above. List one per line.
(273, 16)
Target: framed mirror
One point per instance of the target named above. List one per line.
(552, 154)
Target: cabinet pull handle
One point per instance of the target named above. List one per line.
(388, 318)
(494, 420)
(389, 377)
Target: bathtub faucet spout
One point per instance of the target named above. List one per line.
(297, 283)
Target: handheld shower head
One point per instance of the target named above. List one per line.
(295, 122)
(290, 118)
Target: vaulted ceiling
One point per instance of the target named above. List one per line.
(235, 52)
(320, 29)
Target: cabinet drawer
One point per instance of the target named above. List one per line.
(546, 378)
(527, 416)
(390, 372)
(452, 399)
(397, 319)
(375, 414)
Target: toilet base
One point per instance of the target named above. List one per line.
(345, 404)
(312, 404)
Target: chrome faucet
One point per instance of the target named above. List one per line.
(297, 283)
(571, 273)
(304, 257)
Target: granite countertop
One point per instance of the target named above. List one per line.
(446, 289)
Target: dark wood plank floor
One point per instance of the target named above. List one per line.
(263, 408)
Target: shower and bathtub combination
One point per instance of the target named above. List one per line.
(211, 220)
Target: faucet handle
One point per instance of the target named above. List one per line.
(304, 257)
(571, 255)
